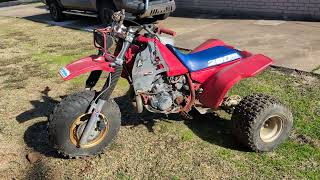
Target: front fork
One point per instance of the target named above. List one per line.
(98, 103)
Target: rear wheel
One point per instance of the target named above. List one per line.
(261, 123)
(69, 119)
(56, 11)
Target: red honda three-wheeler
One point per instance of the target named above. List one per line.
(164, 80)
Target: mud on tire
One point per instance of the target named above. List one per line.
(261, 123)
(65, 113)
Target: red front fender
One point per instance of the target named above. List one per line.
(84, 65)
(216, 87)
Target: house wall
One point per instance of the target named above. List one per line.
(297, 9)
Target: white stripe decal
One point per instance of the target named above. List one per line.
(224, 59)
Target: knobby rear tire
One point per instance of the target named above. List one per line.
(251, 115)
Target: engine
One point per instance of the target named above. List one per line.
(168, 94)
(160, 93)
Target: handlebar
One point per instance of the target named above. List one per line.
(119, 31)
(166, 31)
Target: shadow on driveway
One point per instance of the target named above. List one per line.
(75, 22)
(72, 22)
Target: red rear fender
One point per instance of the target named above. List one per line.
(84, 65)
(216, 86)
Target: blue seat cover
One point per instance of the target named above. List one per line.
(207, 58)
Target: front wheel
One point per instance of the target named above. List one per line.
(69, 119)
(261, 123)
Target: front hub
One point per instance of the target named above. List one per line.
(95, 136)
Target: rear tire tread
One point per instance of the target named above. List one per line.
(247, 114)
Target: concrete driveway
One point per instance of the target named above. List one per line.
(291, 44)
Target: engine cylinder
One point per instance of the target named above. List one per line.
(162, 101)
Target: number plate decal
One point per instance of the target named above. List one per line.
(64, 72)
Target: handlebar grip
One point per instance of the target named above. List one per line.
(166, 31)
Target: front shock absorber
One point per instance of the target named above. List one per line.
(111, 83)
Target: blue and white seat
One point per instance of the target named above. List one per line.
(207, 58)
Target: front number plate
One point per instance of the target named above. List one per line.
(64, 72)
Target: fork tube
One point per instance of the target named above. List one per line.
(117, 73)
(115, 76)
(92, 122)
(146, 5)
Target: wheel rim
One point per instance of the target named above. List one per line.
(95, 137)
(271, 129)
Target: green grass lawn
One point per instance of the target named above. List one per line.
(301, 154)
(208, 140)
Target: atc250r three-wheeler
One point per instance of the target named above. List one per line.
(163, 80)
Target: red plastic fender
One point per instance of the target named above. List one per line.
(84, 65)
(216, 87)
